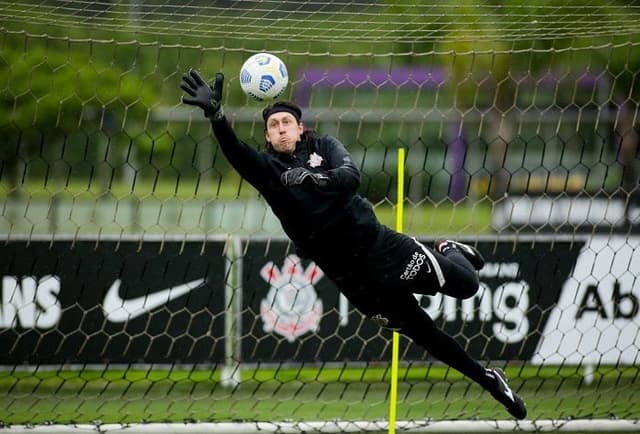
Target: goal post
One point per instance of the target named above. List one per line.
(231, 373)
(146, 287)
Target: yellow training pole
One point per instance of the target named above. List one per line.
(395, 346)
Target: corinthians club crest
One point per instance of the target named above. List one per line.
(291, 307)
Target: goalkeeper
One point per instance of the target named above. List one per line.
(311, 185)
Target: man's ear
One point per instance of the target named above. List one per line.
(301, 127)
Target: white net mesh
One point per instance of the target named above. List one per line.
(341, 21)
(133, 256)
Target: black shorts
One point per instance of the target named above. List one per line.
(393, 262)
(394, 267)
(403, 263)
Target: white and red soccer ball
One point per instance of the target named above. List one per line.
(264, 76)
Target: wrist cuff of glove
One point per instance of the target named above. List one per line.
(215, 113)
(323, 180)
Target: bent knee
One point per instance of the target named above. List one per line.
(468, 292)
(466, 286)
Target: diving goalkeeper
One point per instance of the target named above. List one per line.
(310, 183)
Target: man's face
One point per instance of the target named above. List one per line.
(283, 132)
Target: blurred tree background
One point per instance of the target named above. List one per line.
(489, 98)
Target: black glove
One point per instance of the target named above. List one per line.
(302, 176)
(200, 94)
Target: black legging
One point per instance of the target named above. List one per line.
(461, 278)
(405, 313)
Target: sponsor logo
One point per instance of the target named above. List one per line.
(315, 160)
(597, 318)
(505, 386)
(622, 305)
(30, 302)
(414, 266)
(504, 307)
(291, 307)
(117, 310)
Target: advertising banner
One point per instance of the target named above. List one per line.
(294, 313)
(111, 301)
(563, 300)
(597, 317)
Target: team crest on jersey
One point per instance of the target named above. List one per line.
(291, 307)
(315, 160)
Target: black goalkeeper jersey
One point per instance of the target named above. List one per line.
(321, 221)
(333, 225)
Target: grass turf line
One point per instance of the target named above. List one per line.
(428, 392)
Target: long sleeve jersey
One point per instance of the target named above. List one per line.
(316, 219)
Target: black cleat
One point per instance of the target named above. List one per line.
(471, 253)
(505, 396)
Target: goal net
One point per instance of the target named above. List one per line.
(145, 286)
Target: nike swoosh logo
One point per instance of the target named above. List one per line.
(508, 392)
(117, 310)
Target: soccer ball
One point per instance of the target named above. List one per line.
(264, 76)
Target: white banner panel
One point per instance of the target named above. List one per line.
(597, 318)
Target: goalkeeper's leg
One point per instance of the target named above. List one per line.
(403, 313)
(404, 263)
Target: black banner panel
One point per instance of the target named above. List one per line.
(62, 302)
(112, 301)
(292, 312)
(519, 287)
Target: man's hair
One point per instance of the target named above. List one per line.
(282, 106)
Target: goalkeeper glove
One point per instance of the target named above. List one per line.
(200, 94)
(302, 176)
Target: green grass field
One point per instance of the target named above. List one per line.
(306, 394)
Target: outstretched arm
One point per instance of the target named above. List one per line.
(246, 160)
